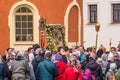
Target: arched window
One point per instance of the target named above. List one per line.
(23, 24)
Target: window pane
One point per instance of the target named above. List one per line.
(18, 11)
(30, 18)
(28, 10)
(23, 9)
(24, 31)
(18, 38)
(24, 24)
(116, 12)
(30, 24)
(30, 31)
(17, 18)
(18, 31)
(23, 38)
(30, 37)
(24, 18)
(93, 13)
(117, 6)
(92, 19)
(119, 15)
(93, 7)
(18, 24)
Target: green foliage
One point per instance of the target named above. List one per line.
(118, 75)
(49, 30)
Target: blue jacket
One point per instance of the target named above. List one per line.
(82, 57)
(43, 74)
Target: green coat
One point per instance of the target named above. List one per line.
(43, 73)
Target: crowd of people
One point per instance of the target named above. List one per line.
(66, 63)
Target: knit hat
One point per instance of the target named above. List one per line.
(58, 57)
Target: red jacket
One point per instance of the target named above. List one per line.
(72, 73)
(61, 66)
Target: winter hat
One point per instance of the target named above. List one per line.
(48, 54)
(113, 67)
(21, 55)
(58, 57)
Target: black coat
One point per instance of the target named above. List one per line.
(35, 63)
(3, 71)
(95, 69)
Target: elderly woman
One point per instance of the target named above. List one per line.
(19, 67)
(112, 73)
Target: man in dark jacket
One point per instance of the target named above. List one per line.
(36, 61)
(95, 69)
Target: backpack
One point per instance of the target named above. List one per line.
(112, 77)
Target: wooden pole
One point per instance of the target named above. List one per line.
(96, 41)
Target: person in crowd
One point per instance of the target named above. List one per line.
(36, 61)
(95, 68)
(3, 70)
(19, 67)
(88, 53)
(30, 54)
(67, 54)
(72, 72)
(8, 52)
(77, 52)
(61, 51)
(112, 52)
(82, 53)
(112, 73)
(105, 58)
(88, 75)
(99, 61)
(30, 75)
(117, 61)
(46, 69)
(61, 66)
(99, 53)
(113, 59)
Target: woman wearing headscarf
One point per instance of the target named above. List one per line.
(88, 75)
(61, 66)
(19, 67)
(112, 73)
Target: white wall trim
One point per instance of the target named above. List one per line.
(11, 23)
(74, 3)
